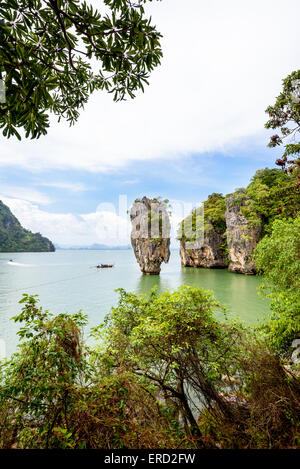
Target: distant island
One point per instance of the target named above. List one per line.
(92, 247)
(15, 238)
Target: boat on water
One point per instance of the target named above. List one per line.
(104, 266)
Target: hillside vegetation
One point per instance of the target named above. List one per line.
(271, 195)
(14, 238)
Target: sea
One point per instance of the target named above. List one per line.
(67, 281)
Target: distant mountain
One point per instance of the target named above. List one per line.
(14, 238)
(95, 247)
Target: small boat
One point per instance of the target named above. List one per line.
(104, 266)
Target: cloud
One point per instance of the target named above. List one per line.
(131, 181)
(69, 186)
(107, 225)
(223, 65)
(103, 227)
(24, 193)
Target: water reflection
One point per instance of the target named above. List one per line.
(145, 284)
(237, 292)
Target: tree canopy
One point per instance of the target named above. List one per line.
(278, 257)
(55, 53)
(285, 116)
(164, 373)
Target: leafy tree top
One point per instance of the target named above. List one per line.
(55, 53)
(211, 214)
(272, 196)
(284, 115)
(278, 256)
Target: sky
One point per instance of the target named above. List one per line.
(197, 129)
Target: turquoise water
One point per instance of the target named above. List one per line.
(66, 281)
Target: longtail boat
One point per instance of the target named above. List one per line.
(104, 266)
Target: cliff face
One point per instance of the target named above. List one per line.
(14, 238)
(209, 254)
(206, 228)
(244, 218)
(242, 238)
(150, 235)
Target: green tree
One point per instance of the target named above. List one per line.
(54, 395)
(272, 196)
(278, 257)
(285, 116)
(165, 374)
(219, 380)
(173, 341)
(55, 53)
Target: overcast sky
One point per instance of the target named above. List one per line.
(197, 129)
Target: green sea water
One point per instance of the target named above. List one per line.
(67, 281)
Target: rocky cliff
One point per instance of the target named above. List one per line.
(14, 238)
(209, 254)
(242, 236)
(150, 235)
(208, 248)
(250, 213)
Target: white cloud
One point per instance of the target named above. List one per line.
(107, 225)
(24, 193)
(223, 65)
(69, 186)
(103, 227)
(131, 181)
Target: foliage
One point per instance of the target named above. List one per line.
(278, 257)
(216, 377)
(55, 53)
(165, 374)
(283, 326)
(269, 394)
(37, 383)
(271, 195)
(52, 396)
(285, 116)
(210, 216)
(14, 238)
(214, 211)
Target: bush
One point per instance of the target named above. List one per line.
(278, 257)
(164, 374)
(51, 395)
(225, 387)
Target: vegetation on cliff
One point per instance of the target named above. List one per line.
(214, 211)
(14, 238)
(210, 216)
(271, 195)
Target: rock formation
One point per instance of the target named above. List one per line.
(210, 253)
(242, 237)
(14, 238)
(150, 235)
(203, 239)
